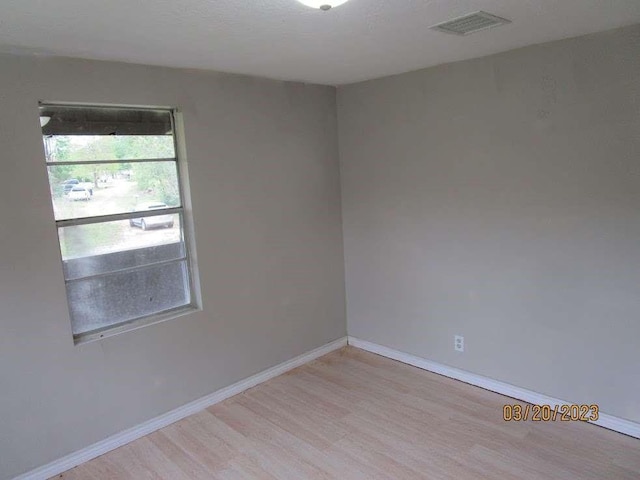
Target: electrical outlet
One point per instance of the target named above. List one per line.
(458, 343)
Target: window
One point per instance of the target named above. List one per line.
(115, 185)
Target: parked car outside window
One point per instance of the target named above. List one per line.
(67, 185)
(79, 192)
(156, 221)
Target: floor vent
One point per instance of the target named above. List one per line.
(471, 23)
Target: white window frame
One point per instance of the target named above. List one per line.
(186, 225)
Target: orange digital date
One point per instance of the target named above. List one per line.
(550, 413)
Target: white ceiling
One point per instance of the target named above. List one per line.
(283, 39)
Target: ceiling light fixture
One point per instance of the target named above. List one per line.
(323, 4)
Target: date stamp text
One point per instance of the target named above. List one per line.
(550, 413)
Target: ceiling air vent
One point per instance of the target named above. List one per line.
(471, 23)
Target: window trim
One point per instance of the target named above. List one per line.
(186, 225)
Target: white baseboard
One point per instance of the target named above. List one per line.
(84, 455)
(607, 421)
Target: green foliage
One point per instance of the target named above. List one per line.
(158, 179)
(142, 146)
(57, 149)
(60, 148)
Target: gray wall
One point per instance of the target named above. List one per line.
(499, 199)
(263, 166)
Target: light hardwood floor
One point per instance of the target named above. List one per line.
(355, 415)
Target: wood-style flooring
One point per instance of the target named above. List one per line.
(355, 415)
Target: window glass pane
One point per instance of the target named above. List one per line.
(103, 189)
(105, 301)
(86, 148)
(105, 247)
(99, 238)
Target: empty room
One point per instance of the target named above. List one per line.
(320, 239)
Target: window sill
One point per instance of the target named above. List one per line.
(96, 335)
